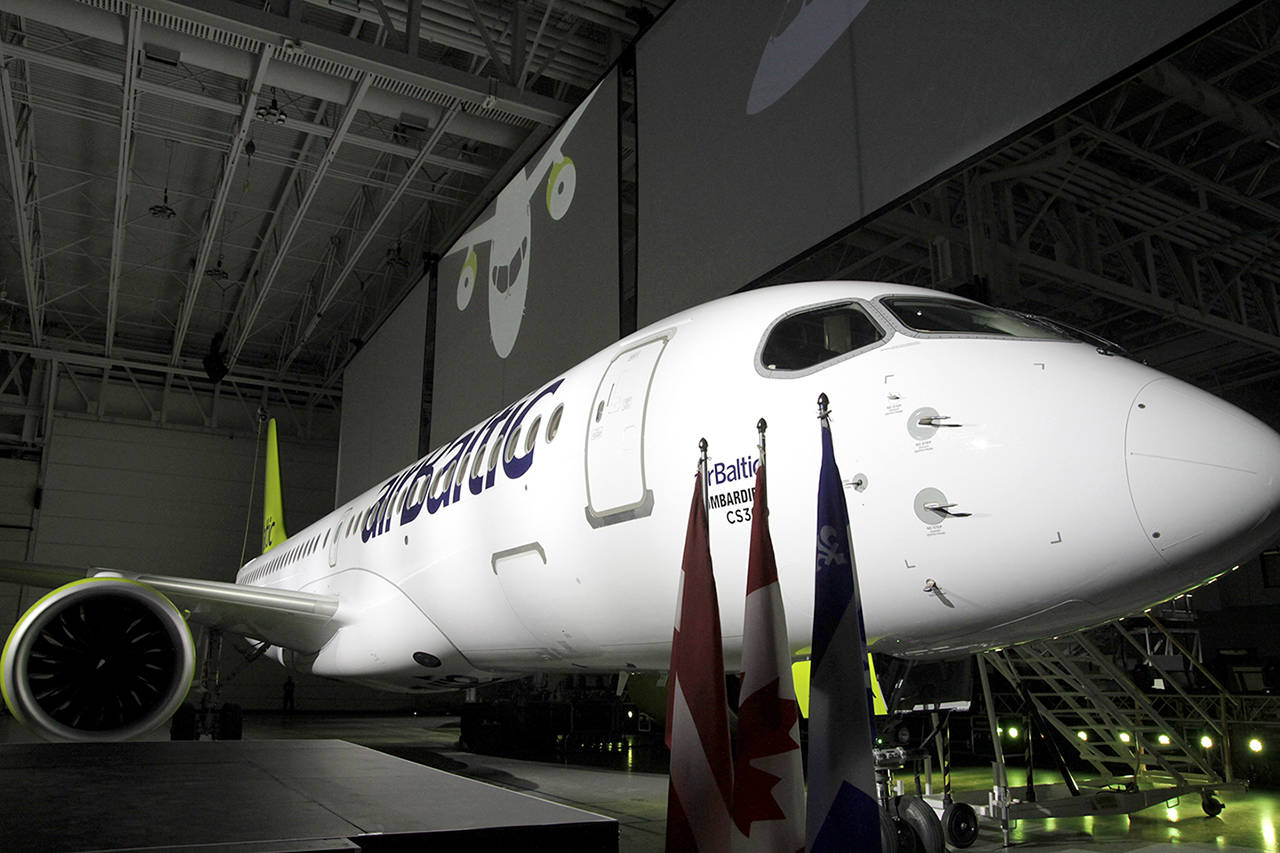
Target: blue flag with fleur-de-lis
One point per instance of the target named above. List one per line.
(842, 811)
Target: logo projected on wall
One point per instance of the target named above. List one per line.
(805, 31)
(550, 181)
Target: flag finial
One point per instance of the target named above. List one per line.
(823, 407)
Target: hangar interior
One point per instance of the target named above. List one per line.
(212, 208)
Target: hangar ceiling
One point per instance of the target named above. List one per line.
(277, 172)
(273, 172)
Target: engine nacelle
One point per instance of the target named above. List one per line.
(97, 660)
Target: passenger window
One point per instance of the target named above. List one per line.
(812, 337)
(493, 457)
(512, 441)
(532, 438)
(553, 425)
(462, 470)
(442, 480)
(479, 463)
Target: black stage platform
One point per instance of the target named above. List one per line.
(286, 795)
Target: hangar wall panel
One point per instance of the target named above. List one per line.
(765, 128)
(150, 499)
(382, 399)
(532, 287)
(17, 491)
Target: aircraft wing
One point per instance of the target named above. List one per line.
(301, 621)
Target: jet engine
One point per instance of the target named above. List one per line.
(99, 659)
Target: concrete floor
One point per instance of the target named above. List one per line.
(637, 798)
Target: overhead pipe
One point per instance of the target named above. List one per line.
(1213, 102)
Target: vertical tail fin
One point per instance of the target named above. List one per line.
(272, 503)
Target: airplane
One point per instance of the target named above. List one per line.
(553, 179)
(1007, 480)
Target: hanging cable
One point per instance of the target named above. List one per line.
(253, 479)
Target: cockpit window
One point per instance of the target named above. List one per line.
(810, 338)
(955, 317)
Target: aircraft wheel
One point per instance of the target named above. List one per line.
(1212, 805)
(905, 839)
(182, 726)
(230, 722)
(960, 824)
(924, 823)
(888, 833)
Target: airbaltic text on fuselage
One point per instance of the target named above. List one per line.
(736, 502)
(422, 488)
(740, 469)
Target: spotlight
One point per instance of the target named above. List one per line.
(1255, 745)
(1206, 742)
(1125, 737)
(1082, 735)
(1163, 740)
(1013, 732)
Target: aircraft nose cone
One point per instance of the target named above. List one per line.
(1204, 475)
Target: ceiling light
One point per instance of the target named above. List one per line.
(217, 272)
(272, 114)
(163, 210)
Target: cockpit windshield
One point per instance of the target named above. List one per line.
(930, 315)
(816, 336)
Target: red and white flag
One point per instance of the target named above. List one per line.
(768, 799)
(700, 792)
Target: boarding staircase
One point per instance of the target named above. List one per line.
(1143, 746)
(1130, 736)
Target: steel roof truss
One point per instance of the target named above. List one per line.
(19, 142)
(124, 165)
(213, 217)
(353, 258)
(242, 324)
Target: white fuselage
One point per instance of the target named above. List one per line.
(1093, 487)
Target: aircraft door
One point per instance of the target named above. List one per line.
(616, 489)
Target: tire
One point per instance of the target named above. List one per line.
(888, 833)
(182, 726)
(905, 839)
(917, 814)
(1212, 805)
(230, 722)
(960, 825)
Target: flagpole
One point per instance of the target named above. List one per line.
(842, 812)
(700, 781)
(702, 472)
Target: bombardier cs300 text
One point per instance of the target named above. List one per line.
(1006, 480)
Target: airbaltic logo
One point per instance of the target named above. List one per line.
(736, 502)
(423, 489)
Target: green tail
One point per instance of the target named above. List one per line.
(272, 503)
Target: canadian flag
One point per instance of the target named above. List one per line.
(768, 798)
(700, 792)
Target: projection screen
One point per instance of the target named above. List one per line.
(765, 128)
